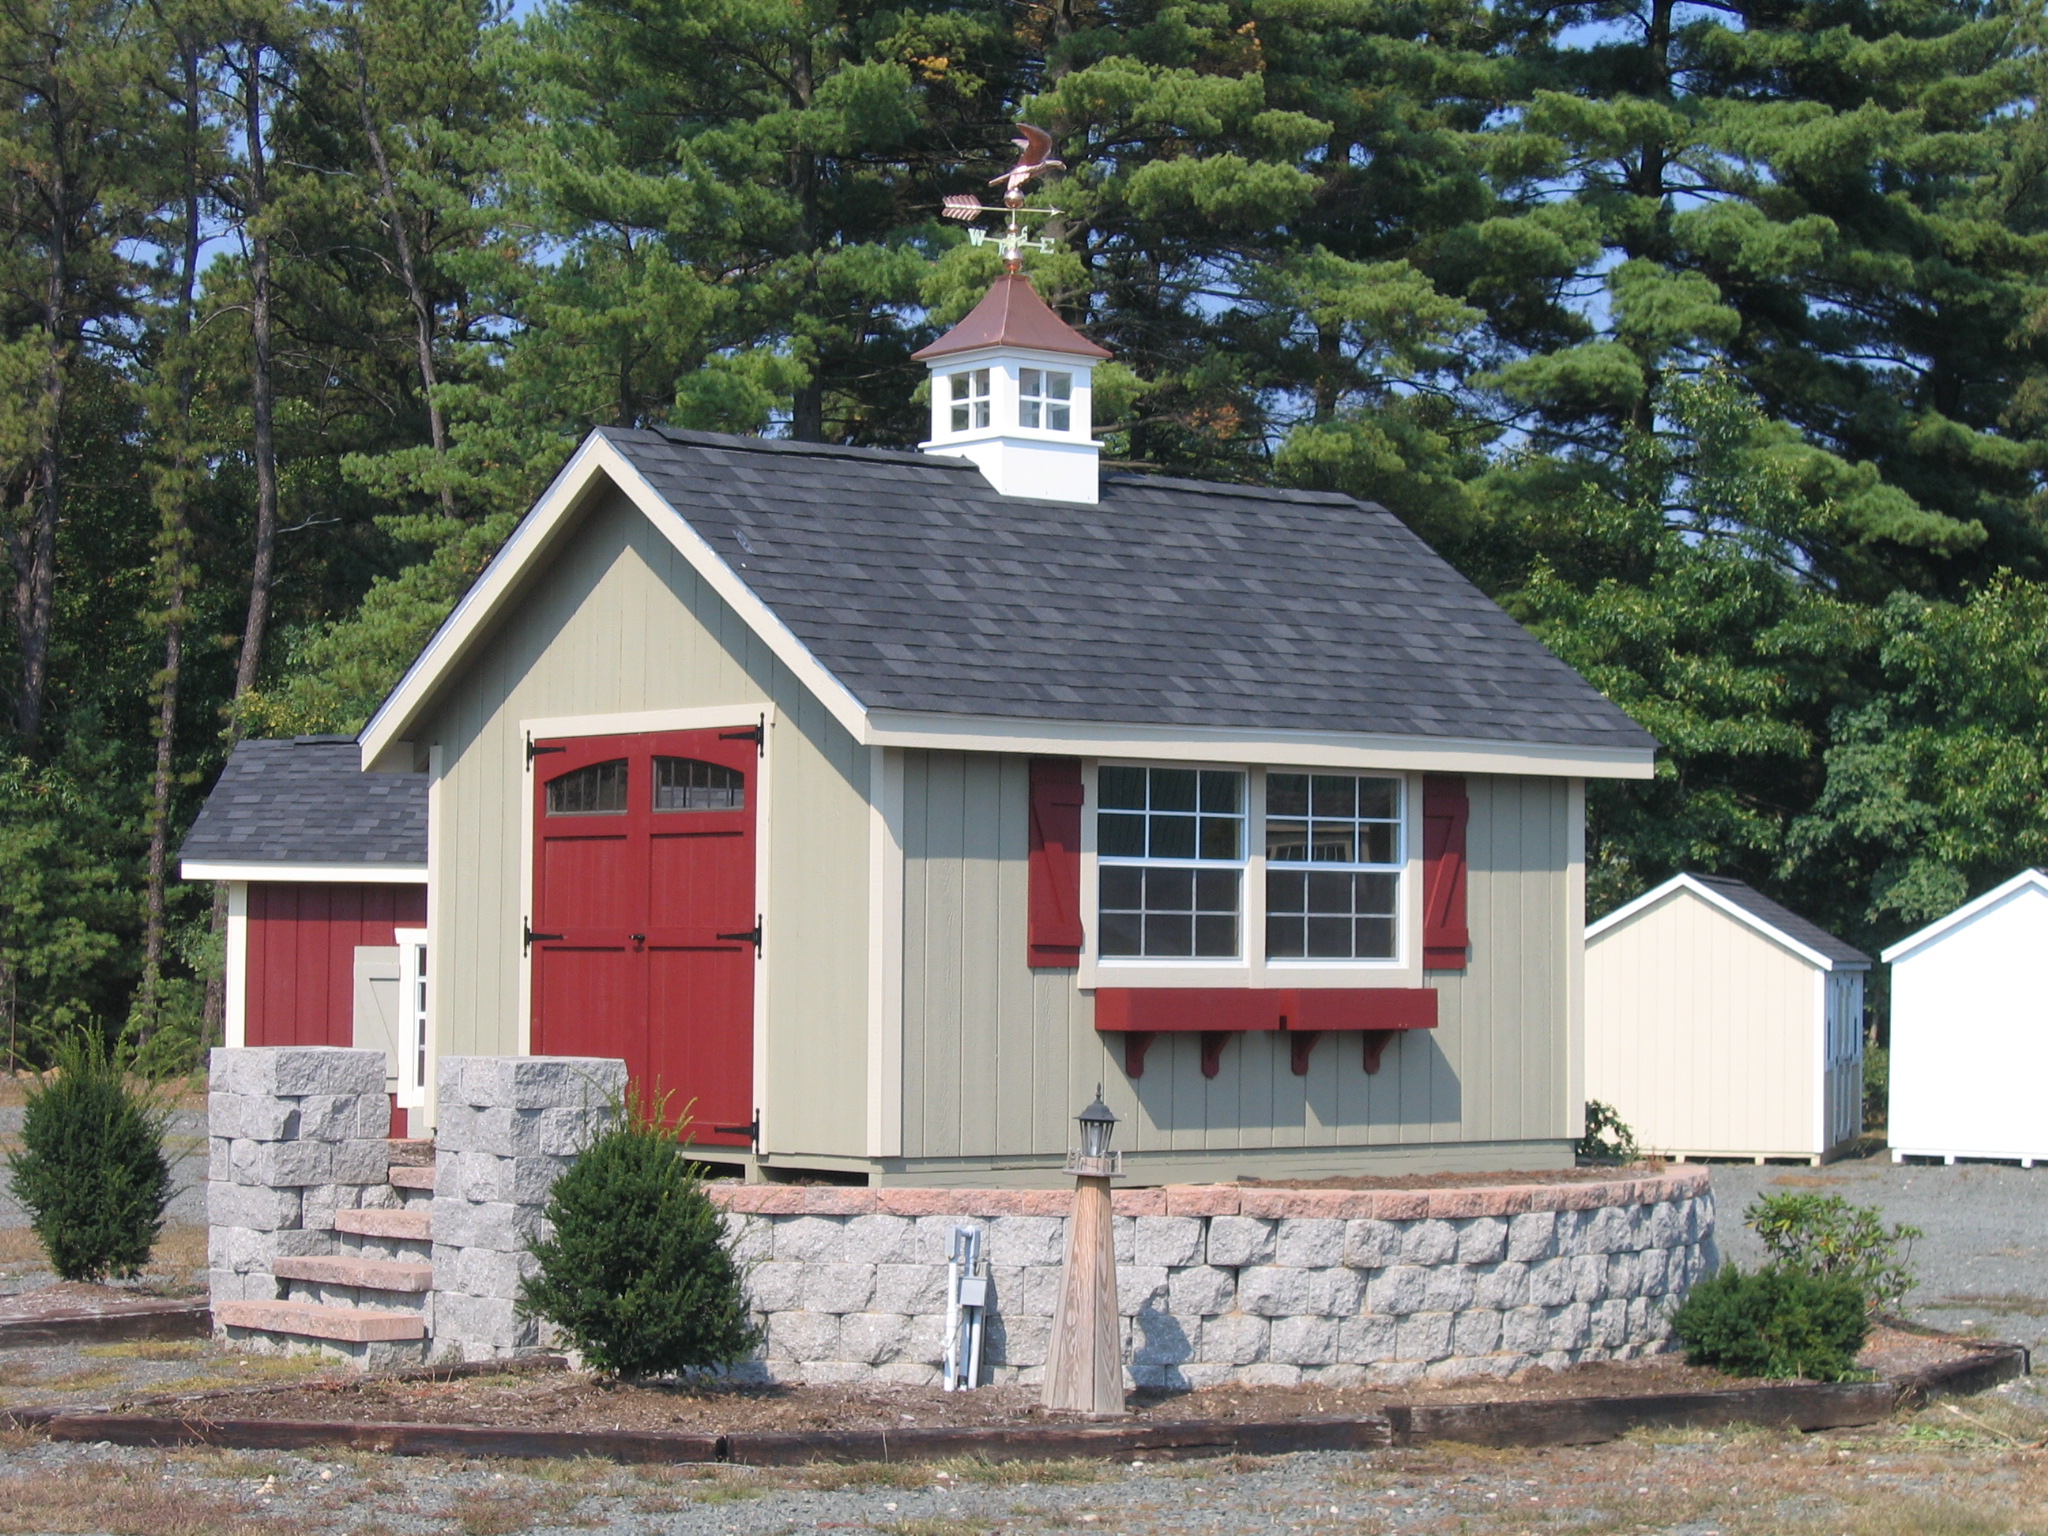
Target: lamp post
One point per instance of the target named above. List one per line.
(1084, 1372)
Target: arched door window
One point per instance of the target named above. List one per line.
(598, 790)
(686, 784)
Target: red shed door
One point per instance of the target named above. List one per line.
(644, 925)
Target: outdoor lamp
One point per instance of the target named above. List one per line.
(1098, 1124)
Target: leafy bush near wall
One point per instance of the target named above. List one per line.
(1877, 1087)
(1608, 1138)
(637, 1275)
(1776, 1321)
(1824, 1235)
(91, 1170)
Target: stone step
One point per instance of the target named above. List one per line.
(415, 1153)
(408, 1176)
(306, 1320)
(365, 1274)
(413, 1223)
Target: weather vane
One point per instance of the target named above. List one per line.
(1035, 158)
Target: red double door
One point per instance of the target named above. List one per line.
(644, 930)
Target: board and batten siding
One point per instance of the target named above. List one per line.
(615, 621)
(997, 1058)
(1704, 1035)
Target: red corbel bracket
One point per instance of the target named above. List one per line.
(1213, 1041)
(1301, 1042)
(1136, 1043)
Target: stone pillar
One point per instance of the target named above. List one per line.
(295, 1134)
(507, 1128)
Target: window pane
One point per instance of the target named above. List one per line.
(1335, 845)
(1173, 789)
(1059, 386)
(1216, 937)
(1170, 890)
(981, 412)
(1030, 381)
(1375, 939)
(1376, 798)
(1216, 890)
(1123, 887)
(1059, 418)
(1335, 796)
(1028, 412)
(1376, 893)
(1378, 843)
(959, 382)
(1286, 794)
(1120, 837)
(1169, 934)
(1288, 841)
(1286, 892)
(1173, 837)
(1329, 938)
(685, 784)
(1329, 893)
(1222, 791)
(1121, 788)
(599, 790)
(1286, 938)
(1122, 933)
(1220, 837)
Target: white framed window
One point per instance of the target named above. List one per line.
(967, 392)
(1217, 875)
(1045, 399)
(412, 1017)
(1334, 859)
(1170, 846)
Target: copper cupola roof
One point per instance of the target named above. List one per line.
(1011, 314)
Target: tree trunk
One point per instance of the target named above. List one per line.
(35, 548)
(807, 410)
(422, 310)
(176, 541)
(262, 567)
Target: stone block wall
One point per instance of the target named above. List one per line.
(295, 1133)
(508, 1127)
(1218, 1283)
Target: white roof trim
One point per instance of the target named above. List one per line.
(1720, 903)
(464, 628)
(1965, 912)
(304, 873)
(1212, 743)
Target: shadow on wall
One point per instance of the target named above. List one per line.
(1255, 1093)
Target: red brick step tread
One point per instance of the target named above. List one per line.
(346, 1269)
(409, 1176)
(414, 1223)
(305, 1319)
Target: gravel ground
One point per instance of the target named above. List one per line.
(1983, 1265)
(1942, 1472)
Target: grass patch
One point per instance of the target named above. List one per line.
(559, 1469)
(117, 1502)
(494, 1514)
(146, 1349)
(831, 1476)
(2001, 1304)
(90, 1379)
(936, 1526)
(1012, 1474)
(205, 1461)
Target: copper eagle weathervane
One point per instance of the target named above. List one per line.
(1035, 157)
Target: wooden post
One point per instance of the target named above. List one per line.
(1084, 1372)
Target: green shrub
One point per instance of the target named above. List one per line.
(637, 1275)
(1608, 1138)
(1777, 1321)
(1824, 1235)
(91, 1170)
(1877, 1087)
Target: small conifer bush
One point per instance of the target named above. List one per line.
(91, 1170)
(1774, 1321)
(637, 1275)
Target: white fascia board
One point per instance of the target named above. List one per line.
(596, 458)
(308, 873)
(1284, 749)
(1964, 913)
(1719, 903)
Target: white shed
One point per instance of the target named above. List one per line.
(1970, 1029)
(1719, 1024)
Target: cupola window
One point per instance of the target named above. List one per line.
(969, 393)
(1045, 399)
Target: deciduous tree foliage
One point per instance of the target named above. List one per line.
(1708, 338)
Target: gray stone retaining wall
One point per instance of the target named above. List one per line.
(294, 1134)
(1218, 1283)
(509, 1126)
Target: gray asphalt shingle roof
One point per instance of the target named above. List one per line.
(1786, 921)
(306, 800)
(1173, 602)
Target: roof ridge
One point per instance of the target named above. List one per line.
(746, 442)
(1241, 488)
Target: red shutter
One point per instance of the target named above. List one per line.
(1055, 916)
(1445, 811)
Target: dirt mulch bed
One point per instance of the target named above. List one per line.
(558, 1401)
(1592, 1174)
(72, 1297)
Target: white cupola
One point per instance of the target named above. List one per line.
(1011, 390)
